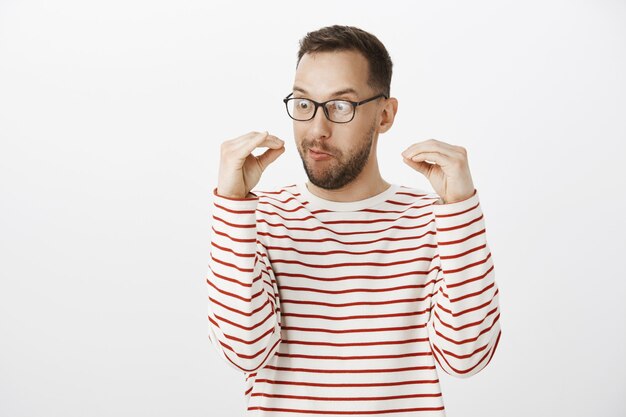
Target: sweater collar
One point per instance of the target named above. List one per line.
(345, 205)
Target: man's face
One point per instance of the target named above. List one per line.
(320, 76)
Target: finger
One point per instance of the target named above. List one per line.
(250, 142)
(432, 157)
(269, 156)
(273, 142)
(270, 142)
(424, 147)
(422, 167)
(245, 138)
(431, 145)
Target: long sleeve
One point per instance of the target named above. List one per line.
(464, 326)
(244, 319)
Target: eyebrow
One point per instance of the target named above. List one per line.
(336, 93)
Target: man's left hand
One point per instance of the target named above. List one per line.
(448, 171)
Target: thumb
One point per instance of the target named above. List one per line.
(419, 166)
(270, 156)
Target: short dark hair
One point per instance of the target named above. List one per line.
(341, 38)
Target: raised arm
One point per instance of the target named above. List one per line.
(464, 326)
(244, 319)
(244, 316)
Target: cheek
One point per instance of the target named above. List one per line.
(298, 132)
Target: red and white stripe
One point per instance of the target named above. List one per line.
(340, 313)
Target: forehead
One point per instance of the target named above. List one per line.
(321, 74)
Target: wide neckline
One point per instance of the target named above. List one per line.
(346, 205)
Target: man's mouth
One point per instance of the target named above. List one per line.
(319, 155)
(318, 151)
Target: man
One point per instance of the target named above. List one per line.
(338, 296)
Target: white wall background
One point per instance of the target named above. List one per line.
(111, 117)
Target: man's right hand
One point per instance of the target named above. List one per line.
(239, 170)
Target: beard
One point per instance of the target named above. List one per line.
(338, 171)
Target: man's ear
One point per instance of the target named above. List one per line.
(388, 114)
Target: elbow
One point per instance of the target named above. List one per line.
(243, 356)
(472, 360)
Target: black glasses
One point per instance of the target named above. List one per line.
(337, 111)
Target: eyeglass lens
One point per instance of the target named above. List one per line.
(303, 109)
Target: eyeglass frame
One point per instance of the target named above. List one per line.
(355, 104)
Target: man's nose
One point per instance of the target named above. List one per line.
(319, 126)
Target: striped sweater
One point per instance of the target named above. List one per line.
(346, 308)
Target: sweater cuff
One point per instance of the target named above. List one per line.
(457, 213)
(238, 202)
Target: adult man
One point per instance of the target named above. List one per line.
(339, 295)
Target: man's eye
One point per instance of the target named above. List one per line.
(303, 104)
(341, 106)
